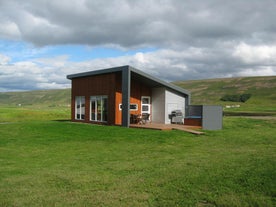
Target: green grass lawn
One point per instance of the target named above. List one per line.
(46, 162)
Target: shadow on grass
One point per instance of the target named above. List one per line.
(62, 120)
(241, 113)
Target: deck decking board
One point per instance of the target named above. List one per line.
(157, 126)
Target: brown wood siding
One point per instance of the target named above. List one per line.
(193, 121)
(110, 85)
(93, 86)
(72, 104)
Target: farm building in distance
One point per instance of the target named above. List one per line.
(124, 95)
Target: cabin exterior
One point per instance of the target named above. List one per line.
(113, 96)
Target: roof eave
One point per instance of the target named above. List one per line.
(97, 72)
(134, 70)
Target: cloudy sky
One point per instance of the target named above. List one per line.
(42, 41)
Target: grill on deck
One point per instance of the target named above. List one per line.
(176, 117)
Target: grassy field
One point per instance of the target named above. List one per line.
(41, 98)
(46, 160)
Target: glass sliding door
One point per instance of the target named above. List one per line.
(98, 108)
(93, 109)
(104, 109)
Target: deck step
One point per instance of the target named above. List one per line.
(188, 130)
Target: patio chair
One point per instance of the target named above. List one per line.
(145, 118)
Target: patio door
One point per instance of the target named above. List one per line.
(145, 105)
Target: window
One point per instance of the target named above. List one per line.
(80, 108)
(145, 100)
(145, 108)
(132, 107)
(98, 108)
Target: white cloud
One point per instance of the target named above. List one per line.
(4, 59)
(166, 64)
(9, 30)
(29, 75)
(255, 53)
(260, 71)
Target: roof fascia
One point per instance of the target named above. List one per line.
(97, 72)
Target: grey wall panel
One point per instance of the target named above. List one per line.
(158, 105)
(125, 96)
(212, 117)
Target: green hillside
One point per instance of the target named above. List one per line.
(262, 90)
(49, 98)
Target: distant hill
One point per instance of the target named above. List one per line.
(50, 98)
(262, 90)
(209, 91)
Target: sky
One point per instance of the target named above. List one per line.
(42, 41)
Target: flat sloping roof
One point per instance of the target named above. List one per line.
(138, 74)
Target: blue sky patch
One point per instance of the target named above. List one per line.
(22, 51)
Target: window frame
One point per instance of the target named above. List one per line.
(130, 109)
(80, 104)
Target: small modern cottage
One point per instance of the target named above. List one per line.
(116, 96)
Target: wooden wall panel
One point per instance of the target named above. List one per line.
(110, 85)
(93, 86)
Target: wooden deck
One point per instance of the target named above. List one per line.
(157, 126)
